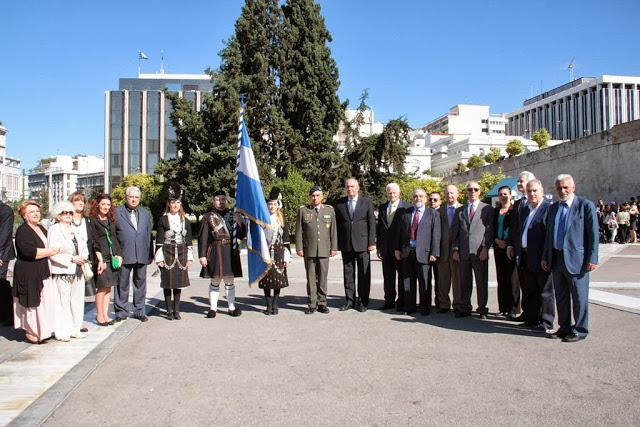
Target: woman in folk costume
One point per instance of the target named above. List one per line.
(174, 253)
(278, 238)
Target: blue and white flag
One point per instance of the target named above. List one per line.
(251, 203)
(141, 55)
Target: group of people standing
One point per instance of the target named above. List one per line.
(618, 222)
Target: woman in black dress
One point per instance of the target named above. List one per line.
(105, 246)
(174, 253)
(508, 287)
(278, 238)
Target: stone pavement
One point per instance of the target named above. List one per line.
(346, 368)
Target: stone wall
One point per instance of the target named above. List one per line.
(604, 166)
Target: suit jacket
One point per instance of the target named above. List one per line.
(386, 231)
(7, 251)
(357, 233)
(427, 235)
(316, 233)
(581, 236)
(136, 244)
(536, 235)
(517, 211)
(446, 233)
(469, 237)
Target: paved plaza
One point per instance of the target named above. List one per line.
(342, 368)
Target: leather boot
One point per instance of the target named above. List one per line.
(167, 300)
(267, 297)
(176, 304)
(274, 303)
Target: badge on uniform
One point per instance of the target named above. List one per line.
(328, 225)
(326, 216)
(308, 217)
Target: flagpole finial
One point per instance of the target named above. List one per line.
(242, 96)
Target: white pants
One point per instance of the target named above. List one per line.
(70, 305)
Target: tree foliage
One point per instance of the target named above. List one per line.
(460, 167)
(493, 155)
(514, 147)
(475, 161)
(295, 193)
(541, 137)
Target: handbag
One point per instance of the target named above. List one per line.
(116, 261)
(87, 271)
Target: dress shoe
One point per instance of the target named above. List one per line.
(235, 312)
(310, 311)
(462, 314)
(520, 318)
(211, 314)
(79, 336)
(386, 306)
(541, 329)
(102, 323)
(84, 329)
(442, 310)
(142, 318)
(558, 334)
(483, 316)
(361, 308)
(346, 307)
(573, 338)
(120, 319)
(425, 312)
(176, 315)
(410, 311)
(323, 309)
(170, 315)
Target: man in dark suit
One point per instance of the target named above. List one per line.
(448, 269)
(434, 200)
(7, 253)
(417, 246)
(570, 253)
(133, 226)
(385, 230)
(356, 237)
(316, 241)
(472, 238)
(536, 284)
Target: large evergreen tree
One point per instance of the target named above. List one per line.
(308, 87)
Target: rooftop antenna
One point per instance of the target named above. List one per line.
(570, 68)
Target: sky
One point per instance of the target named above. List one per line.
(416, 58)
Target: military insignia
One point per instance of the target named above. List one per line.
(308, 217)
(326, 216)
(328, 225)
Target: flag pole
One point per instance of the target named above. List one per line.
(139, 56)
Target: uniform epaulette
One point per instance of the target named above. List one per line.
(327, 206)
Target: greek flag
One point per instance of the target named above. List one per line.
(141, 55)
(251, 203)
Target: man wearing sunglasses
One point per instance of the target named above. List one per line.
(472, 237)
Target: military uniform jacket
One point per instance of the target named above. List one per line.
(316, 232)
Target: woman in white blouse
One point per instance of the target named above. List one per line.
(67, 272)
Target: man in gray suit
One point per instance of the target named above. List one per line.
(448, 269)
(316, 241)
(133, 227)
(7, 253)
(472, 237)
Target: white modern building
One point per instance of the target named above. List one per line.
(468, 119)
(367, 127)
(60, 176)
(579, 108)
(418, 161)
(137, 129)
(11, 179)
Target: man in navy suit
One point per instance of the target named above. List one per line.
(417, 246)
(133, 227)
(530, 235)
(389, 214)
(356, 237)
(570, 253)
(7, 253)
(472, 238)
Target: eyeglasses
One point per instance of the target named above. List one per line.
(66, 213)
(434, 200)
(473, 189)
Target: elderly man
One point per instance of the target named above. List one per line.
(417, 246)
(316, 241)
(219, 254)
(356, 237)
(472, 238)
(133, 227)
(385, 230)
(448, 268)
(537, 289)
(570, 253)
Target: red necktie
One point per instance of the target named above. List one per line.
(472, 212)
(414, 224)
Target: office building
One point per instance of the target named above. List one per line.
(59, 176)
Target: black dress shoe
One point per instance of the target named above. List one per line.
(386, 306)
(84, 329)
(235, 312)
(483, 316)
(346, 307)
(211, 314)
(323, 309)
(573, 338)
(142, 318)
(442, 310)
(425, 312)
(410, 311)
(120, 319)
(310, 311)
(520, 318)
(177, 316)
(361, 308)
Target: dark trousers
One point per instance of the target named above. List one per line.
(121, 294)
(392, 275)
(469, 268)
(317, 269)
(351, 261)
(6, 299)
(415, 277)
(537, 289)
(508, 288)
(572, 291)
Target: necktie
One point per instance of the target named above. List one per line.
(391, 214)
(317, 208)
(562, 225)
(351, 207)
(472, 212)
(414, 224)
(450, 211)
(134, 220)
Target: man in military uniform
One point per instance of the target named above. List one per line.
(218, 252)
(316, 241)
